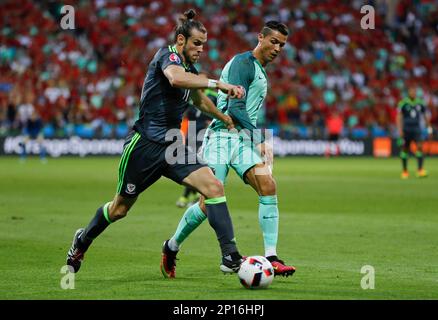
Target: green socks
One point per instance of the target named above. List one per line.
(268, 219)
(191, 219)
(404, 158)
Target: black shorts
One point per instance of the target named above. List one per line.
(144, 161)
(412, 135)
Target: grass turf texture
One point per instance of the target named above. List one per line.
(336, 215)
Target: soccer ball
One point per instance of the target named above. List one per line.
(256, 272)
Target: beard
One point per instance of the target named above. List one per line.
(186, 55)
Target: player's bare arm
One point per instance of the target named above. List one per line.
(178, 77)
(203, 103)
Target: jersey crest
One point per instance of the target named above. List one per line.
(174, 58)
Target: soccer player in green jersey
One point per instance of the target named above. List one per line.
(223, 149)
(411, 112)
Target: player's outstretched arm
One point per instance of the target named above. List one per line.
(178, 77)
(203, 103)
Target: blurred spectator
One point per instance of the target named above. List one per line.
(87, 81)
(32, 129)
(335, 125)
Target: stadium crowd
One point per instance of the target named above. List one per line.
(87, 81)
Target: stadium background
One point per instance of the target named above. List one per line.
(86, 82)
(336, 215)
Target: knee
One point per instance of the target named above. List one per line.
(268, 187)
(118, 212)
(214, 189)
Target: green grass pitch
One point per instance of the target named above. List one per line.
(336, 215)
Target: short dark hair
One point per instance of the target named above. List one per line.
(274, 25)
(186, 24)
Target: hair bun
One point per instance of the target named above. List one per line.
(190, 14)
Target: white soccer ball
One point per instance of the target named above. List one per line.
(256, 272)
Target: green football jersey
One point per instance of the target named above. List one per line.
(412, 111)
(244, 70)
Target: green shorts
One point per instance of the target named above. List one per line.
(223, 150)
